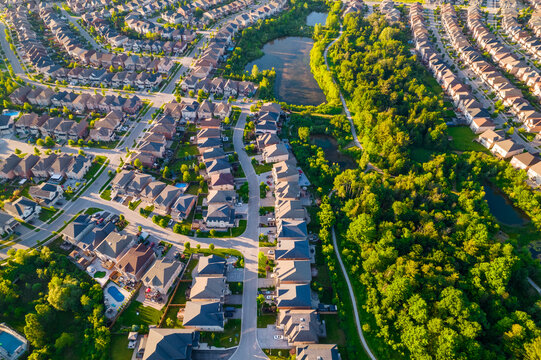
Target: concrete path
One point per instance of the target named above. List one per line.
(353, 300)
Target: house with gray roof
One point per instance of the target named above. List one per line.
(7, 223)
(79, 167)
(161, 276)
(114, 246)
(221, 197)
(293, 272)
(183, 206)
(208, 288)
(218, 166)
(300, 326)
(46, 194)
(212, 265)
(8, 166)
(291, 229)
(285, 171)
(318, 352)
(96, 235)
(170, 344)
(290, 210)
(293, 296)
(292, 250)
(138, 183)
(152, 190)
(204, 316)
(22, 208)
(122, 180)
(166, 199)
(75, 231)
(220, 216)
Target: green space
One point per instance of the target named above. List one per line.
(266, 319)
(137, 314)
(228, 338)
(146, 211)
(99, 274)
(171, 320)
(279, 354)
(119, 347)
(47, 213)
(106, 195)
(92, 210)
(264, 265)
(236, 287)
(180, 296)
(134, 204)
(262, 168)
(463, 139)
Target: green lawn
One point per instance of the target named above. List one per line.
(147, 316)
(335, 333)
(262, 168)
(188, 272)
(106, 195)
(172, 314)
(186, 150)
(278, 354)
(146, 211)
(463, 139)
(119, 347)
(99, 275)
(96, 165)
(134, 204)
(267, 319)
(180, 296)
(230, 337)
(47, 213)
(92, 210)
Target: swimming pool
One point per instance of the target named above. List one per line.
(115, 293)
(9, 342)
(11, 112)
(181, 185)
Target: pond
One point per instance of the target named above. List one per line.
(501, 207)
(290, 57)
(316, 18)
(330, 148)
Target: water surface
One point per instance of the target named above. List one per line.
(290, 57)
(501, 208)
(330, 148)
(316, 18)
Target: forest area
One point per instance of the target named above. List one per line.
(57, 307)
(436, 275)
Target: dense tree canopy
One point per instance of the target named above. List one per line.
(57, 306)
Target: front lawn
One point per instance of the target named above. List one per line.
(146, 211)
(266, 319)
(230, 337)
(106, 195)
(92, 210)
(47, 213)
(134, 204)
(261, 168)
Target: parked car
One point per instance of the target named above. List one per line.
(278, 337)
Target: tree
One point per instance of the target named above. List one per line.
(27, 107)
(304, 133)
(71, 142)
(211, 245)
(36, 151)
(187, 245)
(64, 294)
(137, 163)
(191, 93)
(49, 142)
(169, 322)
(166, 173)
(81, 152)
(40, 142)
(212, 233)
(65, 340)
(186, 177)
(18, 151)
(255, 71)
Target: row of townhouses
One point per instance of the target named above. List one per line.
(78, 103)
(509, 94)
(54, 166)
(515, 31)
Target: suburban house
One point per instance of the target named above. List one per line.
(292, 250)
(22, 208)
(318, 352)
(222, 181)
(300, 326)
(46, 194)
(293, 272)
(203, 315)
(75, 231)
(211, 265)
(114, 246)
(293, 296)
(166, 199)
(285, 171)
(162, 275)
(275, 153)
(7, 223)
(506, 148)
(135, 262)
(121, 181)
(489, 137)
(291, 229)
(183, 206)
(170, 344)
(524, 161)
(534, 173)
(220, 216)
(208, 288)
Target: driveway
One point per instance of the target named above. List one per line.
(233, 300)
(234, 274)
(267, 341)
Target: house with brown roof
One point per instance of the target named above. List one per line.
(135, 262)
(506, 148)
(524, 161)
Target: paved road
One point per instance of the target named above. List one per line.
(17, 68)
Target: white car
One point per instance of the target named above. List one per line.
(278, 337)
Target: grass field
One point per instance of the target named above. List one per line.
(119, 347)
(463, 139)
(147, 316)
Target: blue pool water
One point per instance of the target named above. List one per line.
(11, 112)
(115, 293)
(9, 342)
(181, 185)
